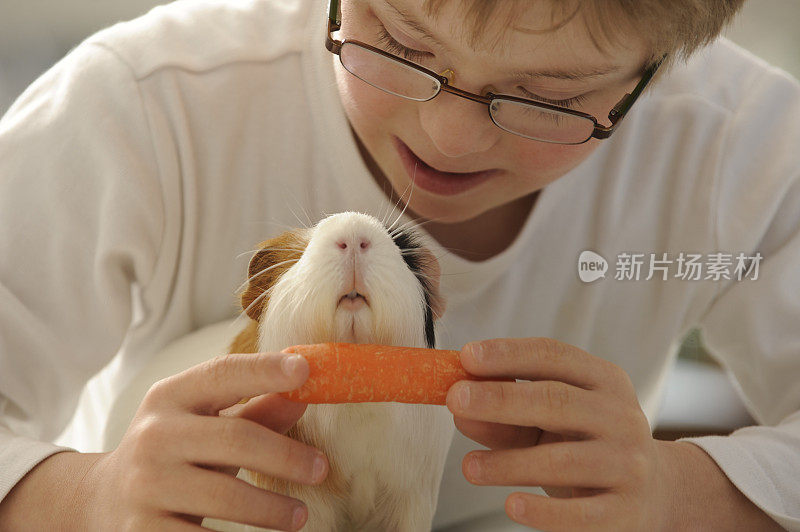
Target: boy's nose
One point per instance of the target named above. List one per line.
(458, 126)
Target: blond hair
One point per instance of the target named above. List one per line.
(674, 27)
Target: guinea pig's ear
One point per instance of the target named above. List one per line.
(433, 272)
(273, 259)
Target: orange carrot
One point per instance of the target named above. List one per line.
(360, 373)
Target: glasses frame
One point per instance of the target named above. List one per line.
(599, 131)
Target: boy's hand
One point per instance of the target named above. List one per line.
(177, 462)
(573, 426)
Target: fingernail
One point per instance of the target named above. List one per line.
(476, 350)
(289, 364)
(298, 518)
(319, 469)
(516, 508)
(474, 468)
(463, 396)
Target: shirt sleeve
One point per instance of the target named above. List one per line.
(753, 325)
(81, 221)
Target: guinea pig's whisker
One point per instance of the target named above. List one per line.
(273, 221)
(452, 249)
(254, 251)
(310, 223)
(394, 207)
(413, 252)
(287, 249)
(301, 222)
(419, 252)
(384, 212)
(265, 270)
(299, 204)
(385, 218)
(448, 249)
(387, 212)
(256, 300)
(441, 274)
(232, 326)
(429, 220)
(413, 224)
(446, 274)
(409, 197)
(441, 329)
(262, 272)
(432, 278)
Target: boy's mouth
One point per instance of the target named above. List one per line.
(438, 181)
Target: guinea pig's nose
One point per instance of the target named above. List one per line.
(353, 243)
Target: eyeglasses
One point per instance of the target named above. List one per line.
(527, 118)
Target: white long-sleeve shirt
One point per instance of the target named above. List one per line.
(144, 163)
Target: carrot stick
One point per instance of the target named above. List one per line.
(360, 373)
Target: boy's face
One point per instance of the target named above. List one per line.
(453, 134)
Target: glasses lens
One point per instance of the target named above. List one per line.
(540, 124)
(388, 74)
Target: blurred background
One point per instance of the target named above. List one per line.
(34, 34)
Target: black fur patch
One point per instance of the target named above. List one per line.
(408, 241)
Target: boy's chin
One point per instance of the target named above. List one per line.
(442, 210)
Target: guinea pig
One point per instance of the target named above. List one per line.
(350, 278)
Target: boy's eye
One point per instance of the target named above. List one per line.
(391, 45)
(568, 102)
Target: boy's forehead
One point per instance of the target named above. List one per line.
(552, 31)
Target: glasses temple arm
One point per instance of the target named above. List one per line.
(334, 15)
(622, 107)
(334, 23)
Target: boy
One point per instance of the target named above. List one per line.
(134, 170)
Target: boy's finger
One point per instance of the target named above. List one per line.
(549, 405)
(224, 380)
(271, 410)
(497, 435)
(538, 359)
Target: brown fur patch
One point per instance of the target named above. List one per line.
(247, 340)
(433, 272)
(268, 265)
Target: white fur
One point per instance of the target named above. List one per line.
(392, 454)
